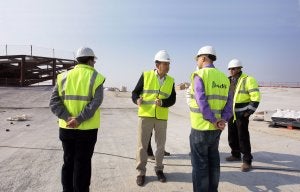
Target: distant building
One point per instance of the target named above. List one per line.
(123, 89)
(182, 86)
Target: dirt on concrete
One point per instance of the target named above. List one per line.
(31, 156)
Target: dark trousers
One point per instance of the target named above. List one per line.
(205, 160)
(78, 149)
(239, 138)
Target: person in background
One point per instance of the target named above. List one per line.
(210, 108)
(150, 151)
(245, 102)
(75, 100)
(154, 94)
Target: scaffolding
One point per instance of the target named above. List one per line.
(28, 69)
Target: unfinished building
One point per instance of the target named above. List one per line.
(27, 70)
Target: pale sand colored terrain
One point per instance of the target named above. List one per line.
(31, 155)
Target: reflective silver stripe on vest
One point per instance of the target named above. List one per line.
(217, 97)
(217, 112)
(243, 92)
(254, 90)
(245, 108)
(164, 94)
(243, 87)
(151, 91)
(156, 92)
(148, 102)
(252, 108)
(79, 97)
(92, 83)
(211, 97)
(197, 110)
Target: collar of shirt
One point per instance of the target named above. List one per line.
(209, 66)
(160, 79)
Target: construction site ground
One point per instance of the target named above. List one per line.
(31, 153)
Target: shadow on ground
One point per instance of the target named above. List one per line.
(276, 170)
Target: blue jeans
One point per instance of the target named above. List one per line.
(205, 160)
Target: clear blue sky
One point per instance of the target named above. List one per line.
(125, 35)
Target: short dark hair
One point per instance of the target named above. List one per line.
(159, 62)
(84, 60)
(212, 57)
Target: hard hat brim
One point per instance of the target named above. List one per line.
(169, 61)
(235, 67)
(89, 56)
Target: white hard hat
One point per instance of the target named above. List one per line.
(85, 52)
(162, 56)
(207, 50)
(235, 63)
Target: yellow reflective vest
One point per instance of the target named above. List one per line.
(77, 88)
(246, 91)
(152, 91)
(216, 85)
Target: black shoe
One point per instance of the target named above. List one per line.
(233, 158)
(161, 176)
(246, 167)
(140, 180)
(167, 153)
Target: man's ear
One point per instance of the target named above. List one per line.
(203, 58)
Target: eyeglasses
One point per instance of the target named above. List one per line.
(232, 69)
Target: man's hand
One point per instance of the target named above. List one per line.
(246, 114)
(158, 102)
(139, 101)
(220, 124)
(72, 122)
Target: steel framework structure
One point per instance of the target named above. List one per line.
(26, 70)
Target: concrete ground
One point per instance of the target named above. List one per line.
(31, 153)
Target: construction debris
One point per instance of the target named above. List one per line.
(292, 114)
(182, 86)
(287, 118)
(258, 116)
(19, 118)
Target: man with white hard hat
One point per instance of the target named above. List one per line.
(210, 108)
(75, 100)
(245, 101)
(154, 94)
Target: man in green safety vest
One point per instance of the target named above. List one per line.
(75, 100)
(154, 93)
(210, 108)
(245, 101)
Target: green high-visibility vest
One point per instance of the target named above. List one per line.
(152, 91)
(77, 88)
(246, 91)
(216, 85)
